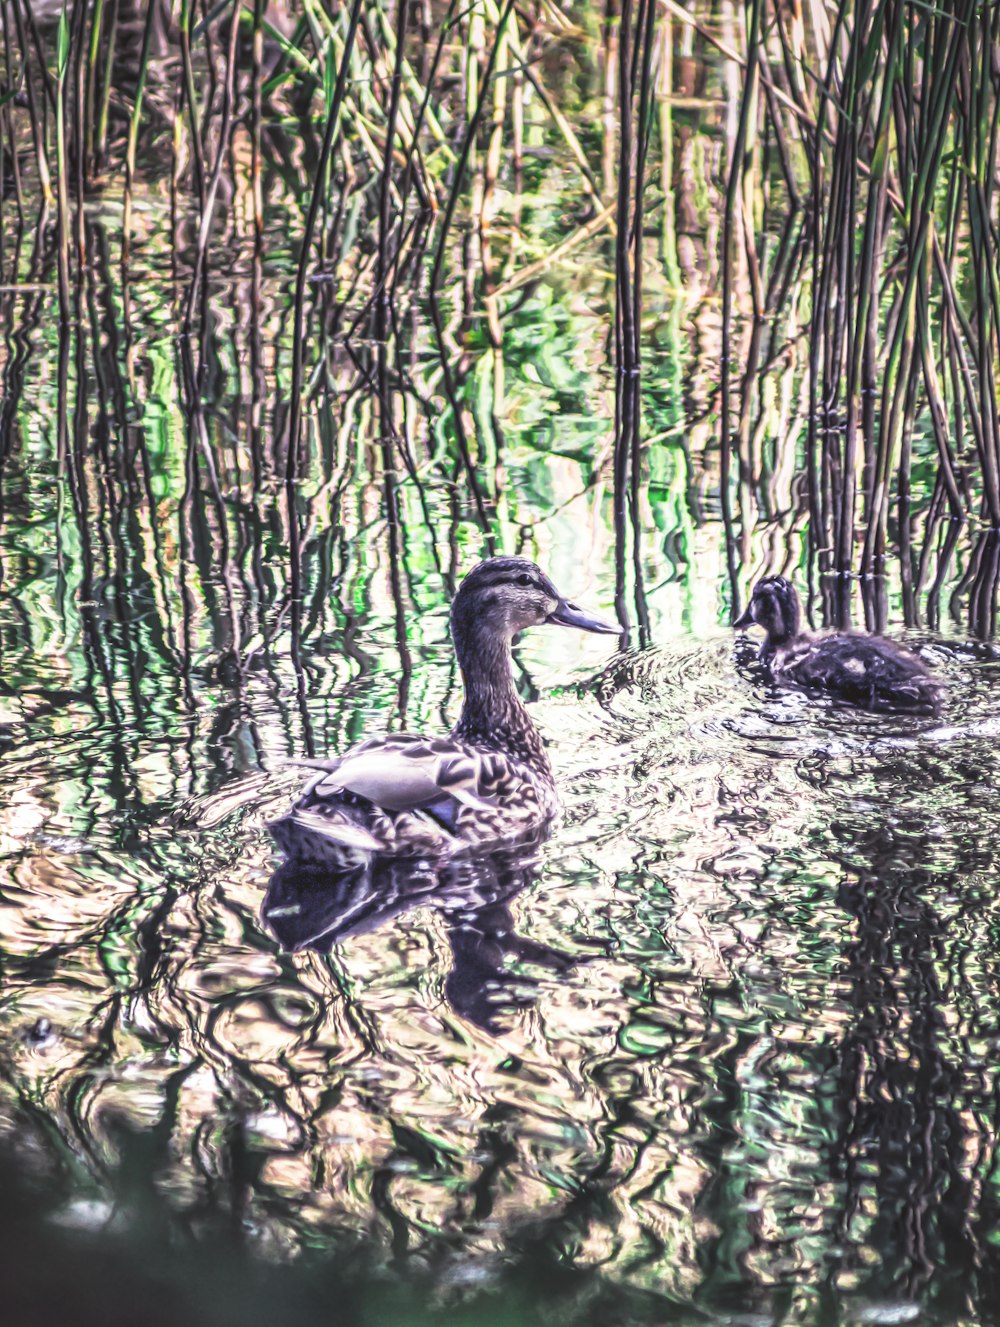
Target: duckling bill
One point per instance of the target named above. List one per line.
(868, 671)
(489, 781)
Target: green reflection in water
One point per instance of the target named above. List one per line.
(738, 1060)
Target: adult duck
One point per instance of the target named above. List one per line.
(488, 782)
(868, 671)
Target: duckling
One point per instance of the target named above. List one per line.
(868, 671)
(489, 781)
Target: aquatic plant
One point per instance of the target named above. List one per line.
(413, 147)
(868, 140)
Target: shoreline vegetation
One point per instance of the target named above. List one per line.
(304, 308)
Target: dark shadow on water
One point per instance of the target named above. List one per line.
(312, 906)
(908, 1081)
(143, 1264)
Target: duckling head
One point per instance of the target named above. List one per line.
(774, 605)
(503, 596)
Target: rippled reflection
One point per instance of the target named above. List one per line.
(722, 1048)
(309, 907)
(728, 1037)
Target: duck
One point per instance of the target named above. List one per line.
(870, 672)
(489, 781)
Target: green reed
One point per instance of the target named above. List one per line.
(858, 237)
(886, 122)
(62, 162)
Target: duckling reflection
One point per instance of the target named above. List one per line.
(310, 905)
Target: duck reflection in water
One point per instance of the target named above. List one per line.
(312, 905)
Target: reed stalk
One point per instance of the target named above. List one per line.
(99, 146)
(198, 276)
(12, 89)
(464, 155)
(734, 201)
(302, 272)
(133, 131)
(62, 166)
(891, 122)
(89, 122)
(36, 112)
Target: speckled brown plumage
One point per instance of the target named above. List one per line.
(490, 780)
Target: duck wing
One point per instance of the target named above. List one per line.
(408, 794)
(406, 772)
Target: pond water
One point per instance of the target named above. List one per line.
(722, 1048)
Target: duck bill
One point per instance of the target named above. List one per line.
(568, 615)
(744, 620)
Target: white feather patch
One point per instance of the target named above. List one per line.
(340, 831)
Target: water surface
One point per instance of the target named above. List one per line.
(721, 1048)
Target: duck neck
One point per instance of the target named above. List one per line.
(783, 628)
(493, 714)
(773, 643)
(768, 649)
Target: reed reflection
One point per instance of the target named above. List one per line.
(917, 1103)
(312, 905)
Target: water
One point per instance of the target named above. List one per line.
(722, 1047)
(727, 1040)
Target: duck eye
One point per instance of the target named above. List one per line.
(524, 579)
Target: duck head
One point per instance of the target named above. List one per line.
(774, 605)
(503, 596)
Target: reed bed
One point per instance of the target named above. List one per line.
(871, 131)
(857, 251)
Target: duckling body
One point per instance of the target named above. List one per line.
(489, 781)
(869, 671)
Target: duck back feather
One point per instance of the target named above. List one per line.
(868, 671)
